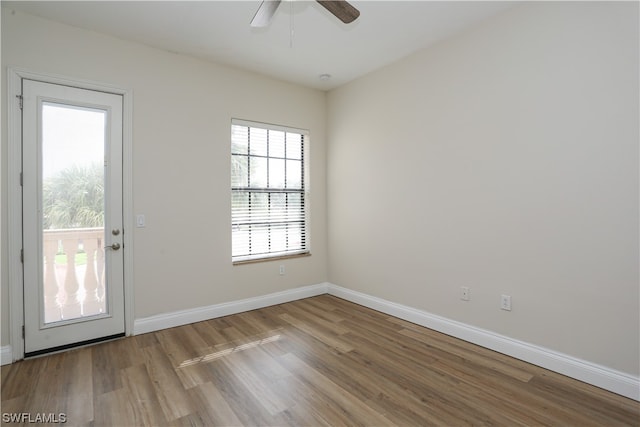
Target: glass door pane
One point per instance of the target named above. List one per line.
(73, 211)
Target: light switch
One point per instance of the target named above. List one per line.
(140, 221)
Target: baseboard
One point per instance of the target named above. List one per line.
(184, 317)
(6, 355)
(597, 375)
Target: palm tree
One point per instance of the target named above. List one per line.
(74, 198)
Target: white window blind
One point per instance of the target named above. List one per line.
(268, 206)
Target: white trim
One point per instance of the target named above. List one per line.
(14, 131)
(127, 208)
(184, 317)
(269, 126)
(6, 355)
(591, 373)
(14, 217)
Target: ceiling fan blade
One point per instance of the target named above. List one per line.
(265, 13)
(341, 9)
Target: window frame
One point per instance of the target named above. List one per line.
(304, 192)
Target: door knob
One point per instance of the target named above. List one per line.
(115, 246)
(115, 231)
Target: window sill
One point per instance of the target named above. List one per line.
(274, 258)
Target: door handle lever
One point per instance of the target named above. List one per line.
(115, 246)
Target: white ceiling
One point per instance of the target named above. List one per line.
(219, 31)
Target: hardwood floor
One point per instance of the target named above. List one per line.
(321, 361)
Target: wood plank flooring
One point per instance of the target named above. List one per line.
(321, 361)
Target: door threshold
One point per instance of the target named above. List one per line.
(66, 347)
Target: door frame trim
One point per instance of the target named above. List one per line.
(14, 217)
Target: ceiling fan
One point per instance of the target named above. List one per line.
(340, 8)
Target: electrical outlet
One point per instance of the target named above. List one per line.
(505, 302)
(465, 293)
(282, 270)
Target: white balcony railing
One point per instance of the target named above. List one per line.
(73, 290)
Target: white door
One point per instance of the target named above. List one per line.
(72, 216)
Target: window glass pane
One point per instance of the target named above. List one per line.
(239, 171)
(258, 143)
(295, 236)
(240, 207)
(294, 174)
(276, 144)
(73, 211)
(294, 146)
(259, 207)
(239, 139)
(295, 210)
(278, 238)
(259, 239)
(259, 172)
(240, 240)
(276, 173)
(278, 206)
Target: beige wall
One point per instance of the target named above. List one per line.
(181, 162)
(504, 159)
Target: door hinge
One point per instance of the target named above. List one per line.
(22, 331)
(20, 99)
(21, 184)
(22, 256)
